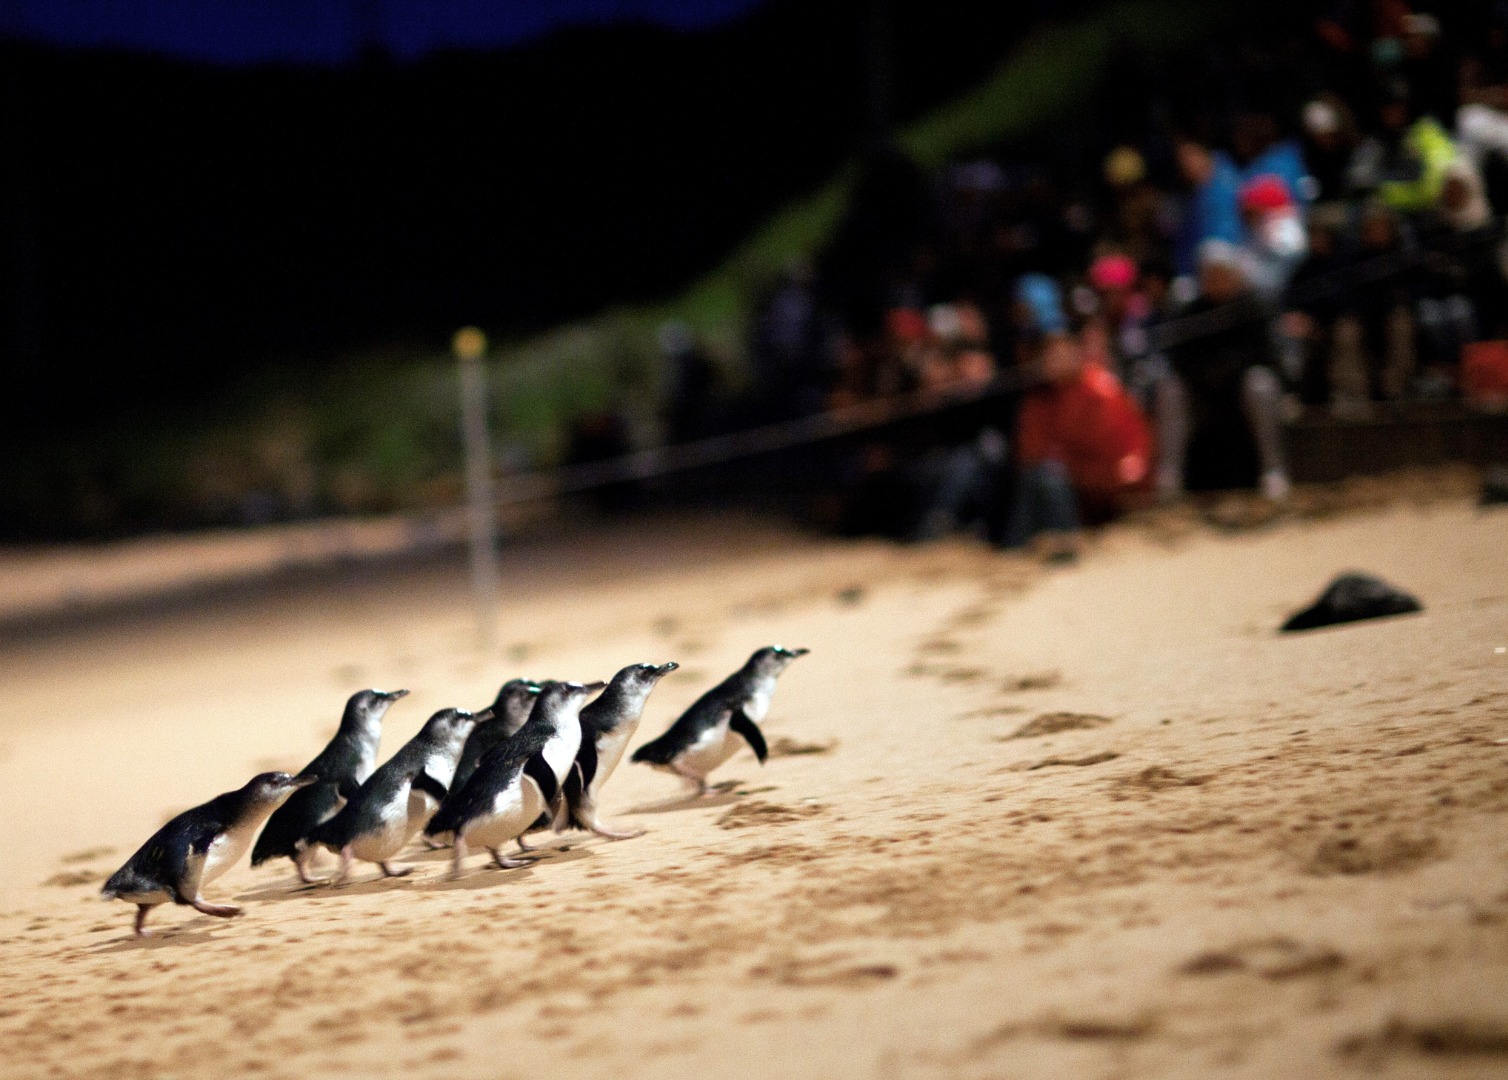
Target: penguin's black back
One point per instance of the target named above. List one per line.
(364, 810)
(603, 713)
(498, 768)
(336, 766)
(297, 818)
(483, 738)
(160, 862)
(705, 712)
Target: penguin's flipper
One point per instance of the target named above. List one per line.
(291, 823)
(538, 770)
(190, 856)
(751, 733)
(585, 765)
(430, 786)
(572, 792)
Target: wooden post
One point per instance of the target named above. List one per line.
(470, 345)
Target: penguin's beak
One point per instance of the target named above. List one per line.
(302, 782)
(481, 717)
(795, 652)
(666, 668)
(593, 687)
(394, 695)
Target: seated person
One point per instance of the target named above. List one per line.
(1083, 447)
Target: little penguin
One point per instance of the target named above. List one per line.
(338, 772)
(198, 846)
(607, 725)
(510, 711)
(722, 721)
(519, 779)
(399, 798)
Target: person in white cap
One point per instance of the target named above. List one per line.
(1229, 363)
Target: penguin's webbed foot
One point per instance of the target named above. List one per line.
(338, 879)
(302, 864)
(604, 831)
(219, 911)
(505, 863)
(142, 911)
(402, 871)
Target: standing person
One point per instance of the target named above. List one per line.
(1224, 372)
(1212, 208)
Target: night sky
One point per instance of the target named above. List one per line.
(331, 32)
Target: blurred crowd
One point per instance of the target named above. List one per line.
(1308, 223)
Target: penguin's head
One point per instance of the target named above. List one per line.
(369, 706)
(273, 787)
(579, 692)
(643, 676)
(453, 725)
(555, 694)
(772, 659)
(514, 701)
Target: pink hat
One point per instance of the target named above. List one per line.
(1113, 272)
(1266, 192)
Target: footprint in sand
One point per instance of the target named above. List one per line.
(1054, 722)
(1353, 852)
(1155, 778)
(1088, 759)
(788, 747)
(1272, 958)
(758, 812)
(1037, 680)
(1460, 1037)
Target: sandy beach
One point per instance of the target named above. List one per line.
(1095, 821)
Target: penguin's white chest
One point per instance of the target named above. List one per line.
(561, 750)
(609, 752)
(711, 748)
(421, 807)
(366, 763)
(514, 809)
(392, 832)
(758, 704)
(225, 851)
(442, 766)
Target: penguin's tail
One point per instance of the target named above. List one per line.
(650, 754)
(326, 836)
(445, 820)
(122, 881)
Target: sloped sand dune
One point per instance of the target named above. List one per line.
(1096, 822)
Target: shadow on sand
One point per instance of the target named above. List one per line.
(198, 931)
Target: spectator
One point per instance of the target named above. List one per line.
(1318, 306)
(1083, 449)
(1276, 234)
(1330, 143)
(1225, 373)
(1212, 208)
(691, 409)
(792, 349)
(1416, 154)
(1263, 152)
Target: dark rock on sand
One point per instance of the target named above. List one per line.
(1352, 598)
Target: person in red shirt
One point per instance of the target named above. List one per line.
(1083, 447)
